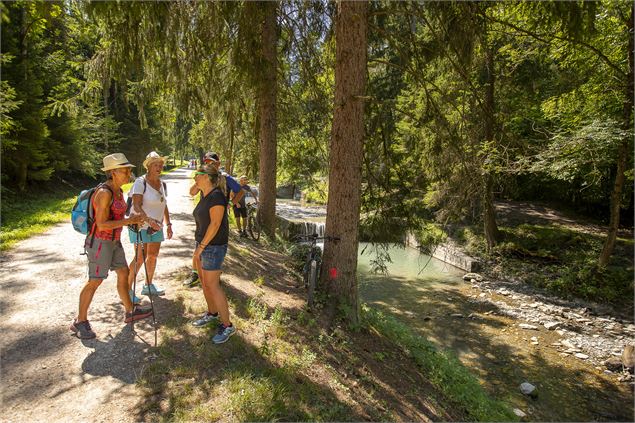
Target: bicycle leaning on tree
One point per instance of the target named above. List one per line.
(313, 264)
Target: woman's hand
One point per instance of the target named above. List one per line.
(197, 253)
(170, 233)
(135, 219)
(153, 223)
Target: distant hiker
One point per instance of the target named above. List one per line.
(103, 245)
(241, 210)
(149, 200)
(227, 184)
(212, 235)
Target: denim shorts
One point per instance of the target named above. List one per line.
(145, 238)
(213, 256)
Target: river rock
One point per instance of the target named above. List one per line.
(581, 356)
(526, 326)
(551, 325)
(475, 276)
(528, 389)
(613, 364)
(456, 315)
(568, 344)
(628, 357)
(519, 413)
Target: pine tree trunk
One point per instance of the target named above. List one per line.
(624, 150)
(267, 118)
(346, 154)
(492, 234)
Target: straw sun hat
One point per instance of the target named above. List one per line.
(153, 156)
(116, 161)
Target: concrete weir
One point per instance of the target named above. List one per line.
(449, 253)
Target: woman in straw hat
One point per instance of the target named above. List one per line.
(149, 200)
(103, 245)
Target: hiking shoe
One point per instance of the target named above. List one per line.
(205, 319)
(223, 333)
(152, 290)
(138, 313)
(82, 330)
(192, 280)
(135, 300)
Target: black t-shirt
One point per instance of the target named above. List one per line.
(201, 217)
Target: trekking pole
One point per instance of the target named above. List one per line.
(136, 270)
(145, 267)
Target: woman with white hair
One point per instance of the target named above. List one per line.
(149, 200)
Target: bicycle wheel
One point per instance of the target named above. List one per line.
(253, 227)
(312, 281)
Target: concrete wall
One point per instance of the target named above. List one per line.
(450, 254)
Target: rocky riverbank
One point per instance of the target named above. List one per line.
(582, 331)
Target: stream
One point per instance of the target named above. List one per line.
(504, 333)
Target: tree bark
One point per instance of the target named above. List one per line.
(624, 150)
(492, 234)
(346, 154)
(267, 89)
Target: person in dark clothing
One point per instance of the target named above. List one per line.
(212, 235)
(228, 184)
(240, 213)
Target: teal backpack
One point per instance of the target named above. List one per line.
(82, 213)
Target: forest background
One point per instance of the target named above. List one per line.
(465, 104)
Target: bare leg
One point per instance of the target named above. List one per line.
(122, 288)
(133, 270)
(238, 223)
(152, 252)
(86, 297)
(211, 285)
(209, 299)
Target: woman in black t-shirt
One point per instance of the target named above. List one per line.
(212, 233)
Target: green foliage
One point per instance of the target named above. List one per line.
(32, 213)
(567, 259)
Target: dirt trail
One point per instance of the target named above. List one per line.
(46, 372)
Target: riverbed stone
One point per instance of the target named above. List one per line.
(527, 326)
(613, 364)
(475, 276)
(568, 344)
(551, 325)
(581, 356)
(528, 389)
(519, 413)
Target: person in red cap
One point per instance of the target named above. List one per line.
(228, 184)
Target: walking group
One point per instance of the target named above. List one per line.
(148, 220)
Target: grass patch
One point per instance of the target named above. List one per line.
(259, 375)
(567, 259)
(32, 213)
(442, 368)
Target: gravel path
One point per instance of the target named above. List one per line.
(46, 372)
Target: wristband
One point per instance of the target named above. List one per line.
(168, 224)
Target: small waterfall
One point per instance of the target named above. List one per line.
(310, 228)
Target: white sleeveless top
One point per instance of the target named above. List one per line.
(154, 201)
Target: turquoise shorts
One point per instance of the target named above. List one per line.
(145, 238)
